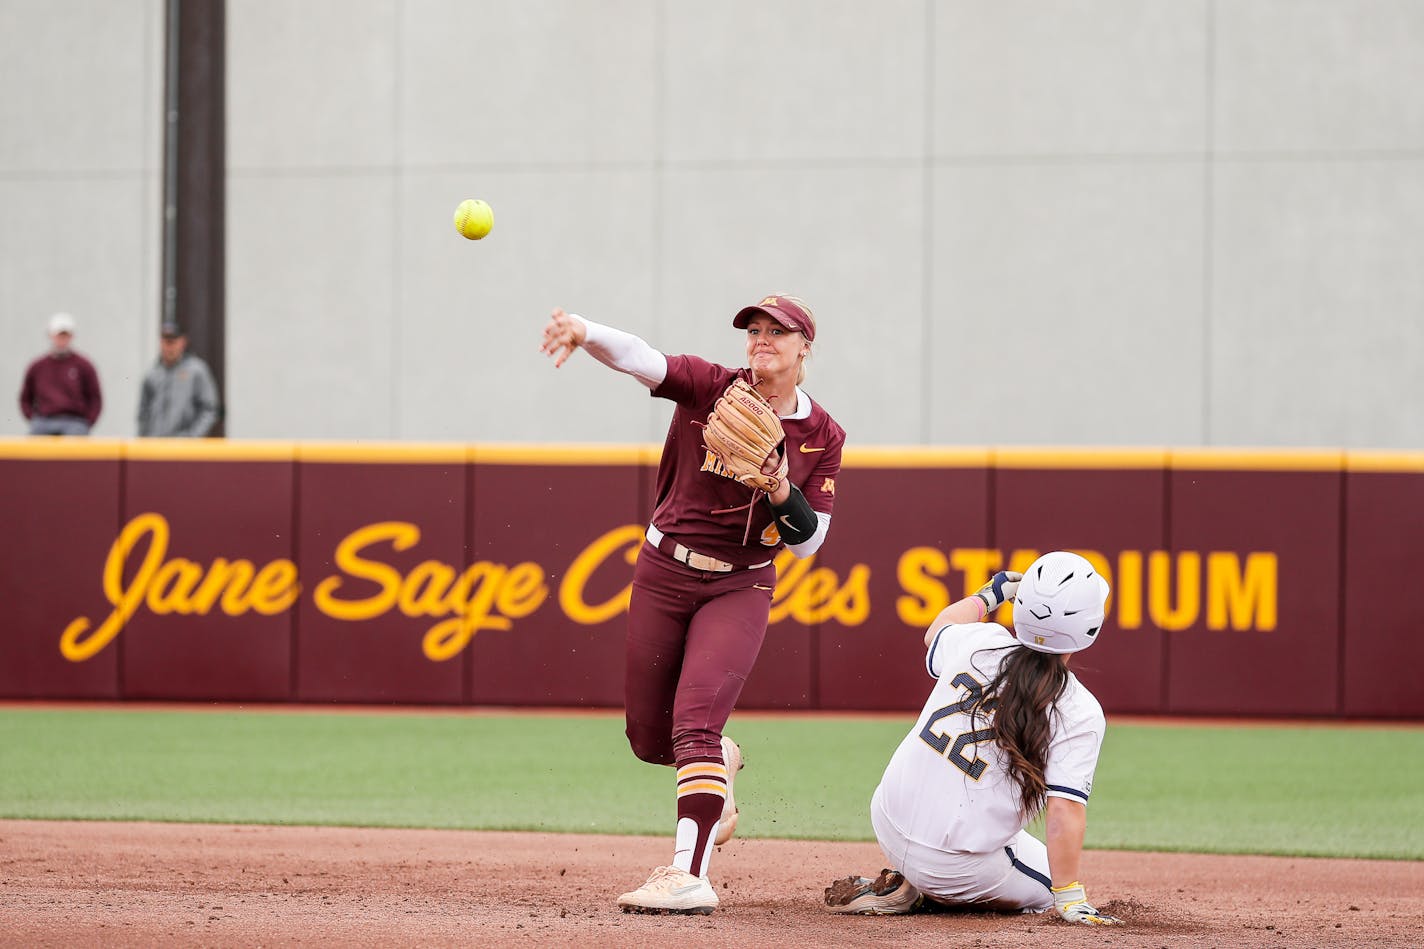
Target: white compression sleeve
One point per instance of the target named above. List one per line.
(623, 352)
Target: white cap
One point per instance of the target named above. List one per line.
(61, 323)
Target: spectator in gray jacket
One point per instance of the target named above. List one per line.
(179, 397)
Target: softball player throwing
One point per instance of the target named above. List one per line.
(1007, 732)
(703, 582)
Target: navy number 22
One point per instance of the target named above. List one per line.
(953, 748)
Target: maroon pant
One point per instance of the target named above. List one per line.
(693, 638)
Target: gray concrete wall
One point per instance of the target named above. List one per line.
(81, 133)
(1117, 222)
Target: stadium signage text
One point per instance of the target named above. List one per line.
(1170, 590)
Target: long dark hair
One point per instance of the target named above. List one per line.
(1020, 697)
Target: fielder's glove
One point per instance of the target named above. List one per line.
(746, 436)
(999, 590)
(1072, 904)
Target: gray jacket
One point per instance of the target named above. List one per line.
(180, 400)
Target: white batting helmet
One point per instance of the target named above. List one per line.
(1059, 604)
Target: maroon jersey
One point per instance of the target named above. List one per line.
(61, 385)
(692, 488)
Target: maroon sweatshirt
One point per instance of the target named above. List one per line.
(61, 384)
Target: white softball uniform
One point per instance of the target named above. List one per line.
(946, 811)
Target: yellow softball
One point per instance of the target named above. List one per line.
(473, 218)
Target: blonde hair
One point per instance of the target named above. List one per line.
(801, 366)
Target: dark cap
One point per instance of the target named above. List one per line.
(170, 330)
(790, 312)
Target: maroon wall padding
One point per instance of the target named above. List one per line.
(553, 516)
(380, 657)
(1324, 632)
(1384, 603)
(1101, 514)
(193, 647)
(60, 517)
(1293, 669)
(888, 522)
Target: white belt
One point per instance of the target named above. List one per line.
(691, 557)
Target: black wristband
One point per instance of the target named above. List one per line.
(795, 520)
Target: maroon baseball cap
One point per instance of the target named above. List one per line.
(790, 312)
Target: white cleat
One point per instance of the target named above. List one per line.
(889, 894)
(670, 890)
(727, 825)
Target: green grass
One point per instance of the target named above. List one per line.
(1349, 792)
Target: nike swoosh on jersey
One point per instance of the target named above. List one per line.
(806, 451)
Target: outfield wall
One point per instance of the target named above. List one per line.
(1245, 583)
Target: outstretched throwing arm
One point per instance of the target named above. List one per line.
(616, 349)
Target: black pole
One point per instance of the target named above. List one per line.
(194, 174)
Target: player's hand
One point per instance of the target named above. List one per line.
(1072, 904)
(562, 335)
(1000, 589)
(776, 463)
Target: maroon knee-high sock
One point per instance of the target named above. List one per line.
(701, 792)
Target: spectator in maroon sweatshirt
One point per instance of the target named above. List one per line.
(61, 391)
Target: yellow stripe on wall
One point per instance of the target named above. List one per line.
(47, 448)
(208, 449)
(571, 454)
(1078, 458)
(913, 456)
(1411, 462)
(1248, 459)
(387, 453)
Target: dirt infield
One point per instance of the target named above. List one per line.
(131, 884)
